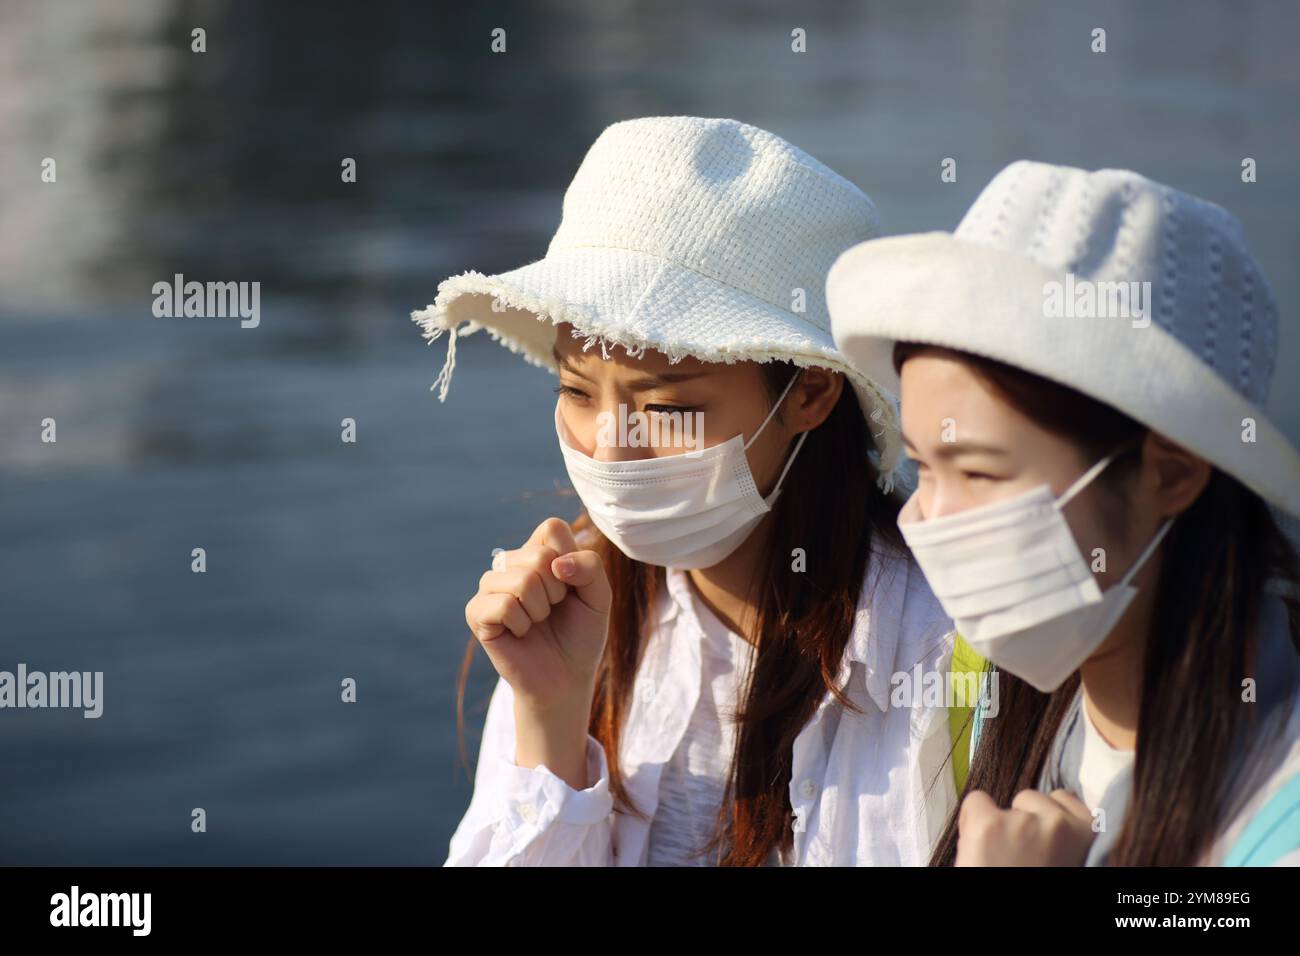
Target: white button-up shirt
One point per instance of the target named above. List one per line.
(872, 788)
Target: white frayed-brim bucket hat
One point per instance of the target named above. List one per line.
(1040, 274)
(693, 237)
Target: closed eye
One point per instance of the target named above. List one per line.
(669, 409)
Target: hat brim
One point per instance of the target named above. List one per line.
(934, 288)
(617, 297)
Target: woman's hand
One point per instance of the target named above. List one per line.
(542, 614)
(1038, 830)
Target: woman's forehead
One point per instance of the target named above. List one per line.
(939, 387)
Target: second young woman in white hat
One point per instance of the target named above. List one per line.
(1101, 509)
(699, 670)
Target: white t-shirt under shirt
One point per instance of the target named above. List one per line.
(1100, 763)
(1266, 761)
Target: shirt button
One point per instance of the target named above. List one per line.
(528, 812)
(645, 689)
(808, 788)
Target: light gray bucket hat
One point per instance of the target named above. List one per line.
(1030, 277)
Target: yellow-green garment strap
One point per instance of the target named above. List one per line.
(965, 662)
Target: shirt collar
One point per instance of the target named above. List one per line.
(686, 602)
(674, 598)
(877, 623)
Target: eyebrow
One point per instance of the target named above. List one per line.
(566, 365)
(954, 448)
(642, 384)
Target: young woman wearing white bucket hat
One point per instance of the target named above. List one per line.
(1103, 510)
(698, 670)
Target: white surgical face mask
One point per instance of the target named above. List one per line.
(680, 511)
(1011, 577)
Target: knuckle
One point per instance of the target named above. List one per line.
(552, 526)
(980, 828)
(537, 558)
(531, 587)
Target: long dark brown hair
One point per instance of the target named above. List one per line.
(1218, 555)
(831, 508)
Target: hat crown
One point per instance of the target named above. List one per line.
(1116, 226)
(730, 201)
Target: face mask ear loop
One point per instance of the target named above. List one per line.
(788, 385)
(1082, 481)
(1146, 553)
(789, 462)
